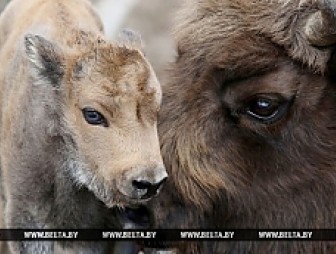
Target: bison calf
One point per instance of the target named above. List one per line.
(78, 121)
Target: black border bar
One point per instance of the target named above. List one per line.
(168, 235)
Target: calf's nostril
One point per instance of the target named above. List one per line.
(150, 188)
(141, 184)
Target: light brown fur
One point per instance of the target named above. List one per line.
(57, 168)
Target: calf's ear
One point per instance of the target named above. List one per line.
(46, 59)
(133, 38)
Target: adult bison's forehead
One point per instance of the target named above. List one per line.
(236, 33)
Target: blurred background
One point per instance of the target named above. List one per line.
(153, 19)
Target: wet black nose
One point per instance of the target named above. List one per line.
(147, 188)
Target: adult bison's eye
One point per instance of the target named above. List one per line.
(94, 117)
(266, 108)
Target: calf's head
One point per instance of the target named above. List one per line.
(108, 98)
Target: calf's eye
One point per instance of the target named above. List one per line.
(265, 108)
(93, 117)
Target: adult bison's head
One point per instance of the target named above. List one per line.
(249, 115)
(108, 99)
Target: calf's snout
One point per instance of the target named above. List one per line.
(151, 188)
(143, 183)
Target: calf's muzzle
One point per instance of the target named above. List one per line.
(143, 183)
(151, 188)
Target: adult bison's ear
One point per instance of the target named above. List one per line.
(320, 30)
(46, 58)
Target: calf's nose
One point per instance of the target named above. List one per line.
(142, 182)
(148, 188)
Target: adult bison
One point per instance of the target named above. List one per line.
(248, 122)
(78, 121)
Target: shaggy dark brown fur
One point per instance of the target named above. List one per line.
(228, 169)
